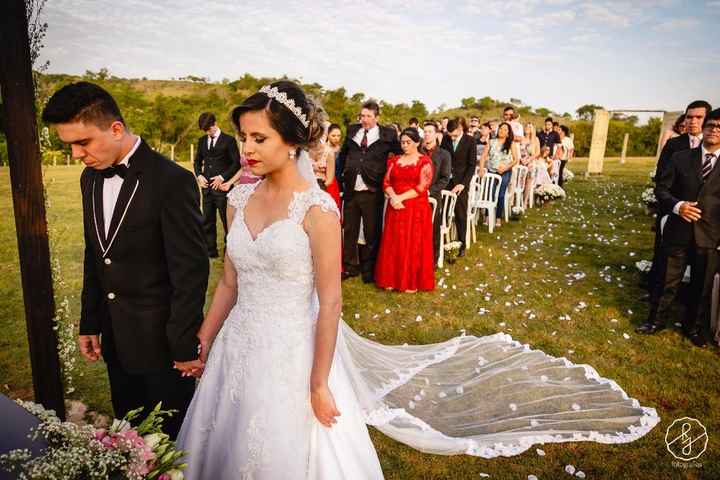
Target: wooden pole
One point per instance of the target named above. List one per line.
(172, 152)
(192, 156)
(29, 203)
(624, 150)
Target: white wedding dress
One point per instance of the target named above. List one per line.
(490, 396)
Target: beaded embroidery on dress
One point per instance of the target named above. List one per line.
(485, 396)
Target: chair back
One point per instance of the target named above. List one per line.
(489, 190)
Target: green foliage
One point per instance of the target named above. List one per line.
(587, 112)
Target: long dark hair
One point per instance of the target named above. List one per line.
(510, 137)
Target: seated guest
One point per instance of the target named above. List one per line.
(405, 261)
(500, 157)
(543, 166)
(244, 175)
(529, 152)
(483, 139)
(689, 187)
(441, 177)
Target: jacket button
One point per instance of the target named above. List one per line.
(108, 261)
(111, 296)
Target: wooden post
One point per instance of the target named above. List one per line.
(29, 203)
(172, 152)
(192, 156)
(598, 142)
(67, 159)
(624, 150)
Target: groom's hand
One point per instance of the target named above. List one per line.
(202, 181)
(90, 347)
(193, 368)
(216, 182)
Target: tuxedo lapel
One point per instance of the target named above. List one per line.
(97, 209)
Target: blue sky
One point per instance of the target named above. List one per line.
(559, 54)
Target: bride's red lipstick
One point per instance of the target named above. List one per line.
(252, 162)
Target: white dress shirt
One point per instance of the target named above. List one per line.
(111, 189)
(713, 161)
(373, 135)
(213, 138)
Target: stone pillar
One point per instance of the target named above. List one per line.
(667, 124)
(623, 155)
(599, 141)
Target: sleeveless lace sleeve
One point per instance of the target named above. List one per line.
(310, 198)
(238, 196)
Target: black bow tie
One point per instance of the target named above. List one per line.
(119, 170)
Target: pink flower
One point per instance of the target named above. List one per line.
(164, 476)
(100, 434)
(108, 442)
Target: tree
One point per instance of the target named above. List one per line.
(485, 103)
(468, 102)
(587, 112)
(543, 112)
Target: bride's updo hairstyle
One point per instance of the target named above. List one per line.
(286, 122)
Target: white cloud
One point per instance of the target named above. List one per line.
(677, 24)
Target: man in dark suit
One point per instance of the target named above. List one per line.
(689, 188)
(216, 161)
(441, 177)
(464, 160)
(364, 158)
(695, 115)
(145, 268)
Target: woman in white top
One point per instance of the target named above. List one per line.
(529, 153)
(565, 151)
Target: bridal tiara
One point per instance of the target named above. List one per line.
(289, 103)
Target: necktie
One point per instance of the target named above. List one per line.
(707, 165)
(212, 143)
(694, 142)
(363, 143)
(119, 170)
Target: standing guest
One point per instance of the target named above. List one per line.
(511, 118)
(415, 123)
(463, 152)
(474, 129)
(500, 157)
(564, 152)
(677, 129)
(548, 137)
(695, 114)
(443, 124)
(398, 129)
(145, 268)
(405, 261)
(483, 139)
(364, 156)
(441, 178)
(217, 160)
(529, 152)
(689, 187)
(323, 161)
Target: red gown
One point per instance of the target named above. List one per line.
(405, 260)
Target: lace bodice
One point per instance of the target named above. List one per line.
(279, 259)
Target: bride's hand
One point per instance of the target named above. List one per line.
(323, 405)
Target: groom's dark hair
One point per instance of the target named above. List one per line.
(82, 102)
(206, 121)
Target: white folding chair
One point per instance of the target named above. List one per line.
(448, 216)
(472, 211)
(487, 197)
(433, 204)
(532, 172)
(515, 193)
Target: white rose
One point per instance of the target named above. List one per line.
(176, 474)
(154, 439)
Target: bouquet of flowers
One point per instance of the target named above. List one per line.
(82, 452)
(549, 191)
(451, 251)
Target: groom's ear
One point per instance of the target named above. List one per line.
(117, 129)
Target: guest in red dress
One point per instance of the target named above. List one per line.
(405, 261)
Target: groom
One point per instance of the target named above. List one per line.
(145, 265)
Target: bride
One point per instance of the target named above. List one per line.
(287, 389)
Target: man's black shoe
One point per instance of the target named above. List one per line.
(648, 328)
(346, 275)
(698, 340)
(368, 279)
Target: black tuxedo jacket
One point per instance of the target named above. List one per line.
(464, 159)
(672, 146)
(441, 171)
(371, 164)
(223, 159)
(681, 180)
(144, 284)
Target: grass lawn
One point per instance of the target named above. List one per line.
(561, 279)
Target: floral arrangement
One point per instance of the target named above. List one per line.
(568, 175)
(80, 452)
(451, 251)
(517, 210)
(652, 174)
(648, 197)
(549, 191)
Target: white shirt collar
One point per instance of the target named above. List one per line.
(126, 158)
(706, 151)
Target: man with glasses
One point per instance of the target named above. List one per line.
(689, 188)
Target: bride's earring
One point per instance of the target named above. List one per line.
(291, 154)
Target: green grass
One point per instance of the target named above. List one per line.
(595, 231)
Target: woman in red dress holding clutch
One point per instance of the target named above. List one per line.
(405, 261)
